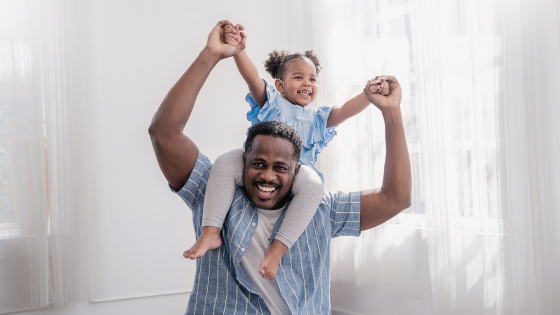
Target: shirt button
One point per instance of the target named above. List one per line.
(253, 224)
(243, 249)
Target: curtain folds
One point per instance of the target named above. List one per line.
(480, 82)
(43, 236)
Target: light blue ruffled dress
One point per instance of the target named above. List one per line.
(309, 122)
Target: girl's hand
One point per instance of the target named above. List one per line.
(217, 42)
(233, 34)
(393, 98)
(379, 85)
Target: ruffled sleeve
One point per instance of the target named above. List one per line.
(270, 110)
(321, 134)
(309, 122)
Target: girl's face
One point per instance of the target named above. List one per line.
(300, 82)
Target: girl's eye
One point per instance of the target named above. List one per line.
(298, 77)
(313, 80)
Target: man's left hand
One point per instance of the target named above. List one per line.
(391, 101)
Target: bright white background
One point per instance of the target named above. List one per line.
(480, 81)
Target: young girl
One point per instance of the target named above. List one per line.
(295, 88)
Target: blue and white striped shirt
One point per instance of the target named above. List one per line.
(222, 287)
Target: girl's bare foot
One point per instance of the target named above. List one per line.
(273, 255)
(209, 239)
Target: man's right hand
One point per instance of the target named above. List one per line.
(217, 41)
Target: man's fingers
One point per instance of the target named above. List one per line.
(380, 79)
(384, 88)
(223, 23)
(390, 79)
(243, 39)
(393, 83)
(384, 85)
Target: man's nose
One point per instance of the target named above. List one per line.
(268, 174)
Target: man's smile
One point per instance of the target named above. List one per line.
(265, 191)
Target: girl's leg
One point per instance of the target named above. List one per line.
(226, 174)
(308, 192)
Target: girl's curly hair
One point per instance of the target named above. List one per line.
(278, 62)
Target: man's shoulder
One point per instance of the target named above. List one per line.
(336, 199)
(193, 190)
(202, 168)
(342, 209)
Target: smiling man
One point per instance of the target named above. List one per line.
(271, 163)
(227, 279)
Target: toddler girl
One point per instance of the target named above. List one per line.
(295, 88)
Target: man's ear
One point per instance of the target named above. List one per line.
(297, 169)
(279, 85)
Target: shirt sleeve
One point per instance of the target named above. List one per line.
(193, 191)
(345, 213)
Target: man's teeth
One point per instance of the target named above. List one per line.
(266, 188)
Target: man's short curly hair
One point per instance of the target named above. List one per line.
(275, 129)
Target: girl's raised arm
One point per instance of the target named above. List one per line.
(245, 65)
(251, 75)
(357, 104)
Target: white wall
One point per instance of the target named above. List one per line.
(139, 50)
(135, 51)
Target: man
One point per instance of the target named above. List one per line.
(225, 279)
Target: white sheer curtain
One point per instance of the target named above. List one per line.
(43, 243)
(480, 105)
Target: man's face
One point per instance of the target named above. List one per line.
(269, 171)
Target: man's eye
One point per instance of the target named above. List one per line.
(257, 164)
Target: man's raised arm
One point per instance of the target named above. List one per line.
(379, 205)
(176, 153)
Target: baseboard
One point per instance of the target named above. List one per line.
(137, 296)
(25, 309)
(343, 311)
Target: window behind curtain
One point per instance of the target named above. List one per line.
(451, 246)
(38, 231)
